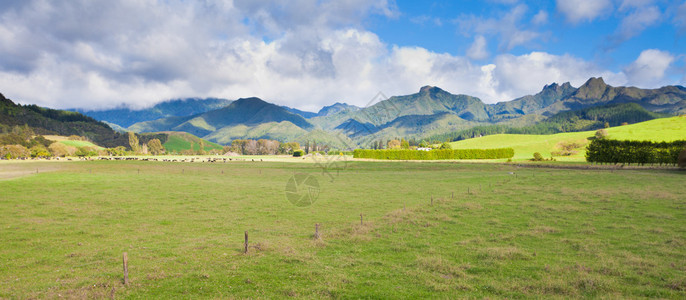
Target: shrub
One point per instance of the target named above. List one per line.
(298, 153)
(39, 151)
(14, 151)
(601, 134)
(538, 157)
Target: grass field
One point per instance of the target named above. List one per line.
(507, 233)
(666, 129)
(65, 140)
(180, 141)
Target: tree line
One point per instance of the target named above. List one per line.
(440, 154)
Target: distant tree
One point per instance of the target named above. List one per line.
(625, 123)
(394, 144)
(606, 125)
(201, 148)
(298, 153)
(155, 147)
(86, 151)
(39, 151)
(133, 142)
(116, 151)
(404, 144)
(538, 157)
(601, 134)
(682, 159)
(446, 145)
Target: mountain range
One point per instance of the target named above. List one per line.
(430, 112)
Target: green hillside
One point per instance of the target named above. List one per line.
(181, 141)
(126, 117)
(47, 121)
(283, 131)
(665, 129)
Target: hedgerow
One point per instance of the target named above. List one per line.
(405, 154)
(638, 152)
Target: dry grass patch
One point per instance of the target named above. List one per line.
(503, 253)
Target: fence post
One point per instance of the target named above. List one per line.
(126, 268)
(245, 249)
(316, 231)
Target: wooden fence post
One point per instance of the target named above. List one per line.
(316, 231)
(126, 269)
(245, 250)
(361, 223)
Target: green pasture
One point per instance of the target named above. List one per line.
(429, 230)
(79, 144)
(525, 145)
(180, 142)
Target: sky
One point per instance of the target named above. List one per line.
(100, 54)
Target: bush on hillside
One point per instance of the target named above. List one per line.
(538, 157)
(298, 153)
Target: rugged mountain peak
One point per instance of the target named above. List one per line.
(595, 83)
(250, 100)
(426, 89)
(551, 86)
(594, 88)
(556, 87)
(335, 108)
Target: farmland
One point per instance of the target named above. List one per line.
(435, 229)
(658, 130)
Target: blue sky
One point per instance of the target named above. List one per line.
(440, 26)
(98, 54)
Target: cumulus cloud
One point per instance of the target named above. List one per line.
(526, 74)
(540, 18)
(634, 23)
(577, 11)
(649, 69)
(307, 55)
(478, 49)
(508, 27)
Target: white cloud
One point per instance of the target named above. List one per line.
(478, 49)
(527, 74)
(305, 55)
(540, 18)
(649, 69)
(633, 24)
(507, 27)
(583, 10)
(680, 17)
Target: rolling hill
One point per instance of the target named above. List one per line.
(243, 118)
(126, 117)
(182, 141)
(431, 113)
(47, 121)
(664, 129)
